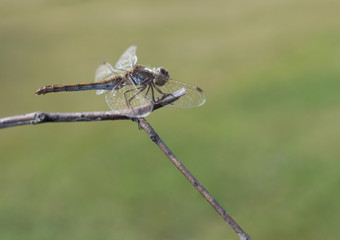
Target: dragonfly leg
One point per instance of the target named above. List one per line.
(142, 89)
(147, 90)
(128, 101)
(157, 89)
(152, 94)
(160, 91)
(138, 122)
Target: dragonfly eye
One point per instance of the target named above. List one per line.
(163, 71)
(162, 76)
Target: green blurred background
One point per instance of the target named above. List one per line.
(265, 144)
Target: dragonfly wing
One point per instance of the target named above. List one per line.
(129, 101)
(128, 59)
(103, 72)
(194, 96)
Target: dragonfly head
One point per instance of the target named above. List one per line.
(161, 76)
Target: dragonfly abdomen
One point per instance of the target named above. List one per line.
(102, 85)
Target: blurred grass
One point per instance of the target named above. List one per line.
(265, 144)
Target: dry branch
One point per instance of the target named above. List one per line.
(40, 117)
(197, 185)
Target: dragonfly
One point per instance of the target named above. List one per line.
(132, 89)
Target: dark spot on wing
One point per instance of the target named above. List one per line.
(198, 89)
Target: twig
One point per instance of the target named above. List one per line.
(40, 117)
(197, 185)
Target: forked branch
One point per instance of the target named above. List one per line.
(40, 117)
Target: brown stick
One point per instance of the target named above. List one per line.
(197, 185)
(40, 117)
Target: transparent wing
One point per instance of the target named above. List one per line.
(128, 59)
(103, 72)
(129, 101)
(194, 97)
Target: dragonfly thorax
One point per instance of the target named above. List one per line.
(141, 75)
(161, 76)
